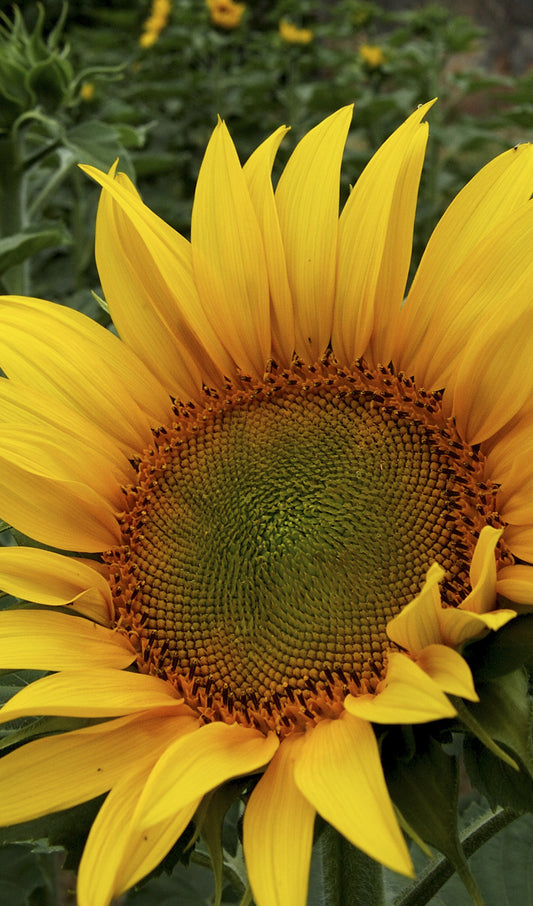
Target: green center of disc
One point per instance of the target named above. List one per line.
(282, 535)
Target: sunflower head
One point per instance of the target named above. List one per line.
(296, 492)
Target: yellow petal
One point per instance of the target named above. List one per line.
(58, 457)
(449, 670)
(339, 772)
(519, 540)
(23, 405)
(417, 625)
(39, 640)
(229, 258)
(409, 696)
(68, 356)
(278, 832)
(118, 853)
(257, 170)
(498, 190)
(307, 198)
(99, 692)
(487, 392)
(375, 240)
(146, 271)
(482, 598)
(57, 512)
(459, 626)
(196, 765)
(57, 772)
(45, 577)
(516, 583)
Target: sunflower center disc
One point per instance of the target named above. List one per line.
(274, 533)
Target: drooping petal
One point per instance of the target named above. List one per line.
(65, 354)
(409, 696)
(45, 577)
(307, 198)
(339, 772)
(118, 853)
(192, 767)
(57, 772)
(39, 640)
(257, 170)
(498, 191)
(99, 692)
(375, 239)
(449, 670)
(229, 257)
(146, 271)
(278, 832)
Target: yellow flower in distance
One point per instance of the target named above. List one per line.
(226, 13)
(293, 35)
(372, 55)
(155, 23)
(300, 497)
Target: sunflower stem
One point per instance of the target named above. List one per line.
(349, 876)
(440, 870)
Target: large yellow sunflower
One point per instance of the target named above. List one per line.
(301, 497)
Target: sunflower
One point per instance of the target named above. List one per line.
(296, 498)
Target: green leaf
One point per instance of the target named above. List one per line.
(425, 790)
(97, 144)
(503, 651)
(505, 714)
(67, 829)
(17, 248)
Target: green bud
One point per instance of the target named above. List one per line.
(34, 72)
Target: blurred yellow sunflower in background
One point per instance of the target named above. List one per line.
(296, 496)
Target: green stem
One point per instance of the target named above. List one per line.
(350, 878)
(440, 870)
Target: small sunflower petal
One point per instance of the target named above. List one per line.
(195, 766)
(482, 598)
(409, 696)
(448, 670)
(417, 625)
(339, 772)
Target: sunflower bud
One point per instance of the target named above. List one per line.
(34, 72)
